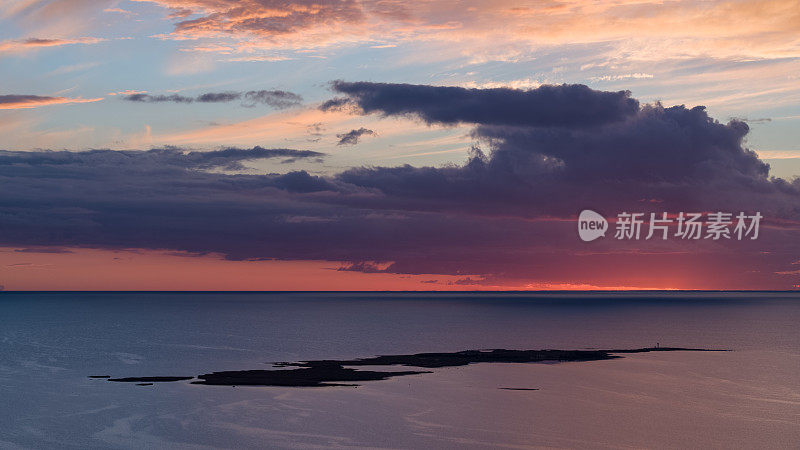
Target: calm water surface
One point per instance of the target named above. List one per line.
(51, 342)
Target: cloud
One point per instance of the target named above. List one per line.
(543, 163)
(43, 250)
(522, 83)
(120, 10)
(778, 154)
(547, 105)
(481, 31)
(365, 267)
(73, 68)
(274, 98)
(15, 101)
(352, 136)
(172, 157)
(220, 97)
(36, 43)
(147, 98)
(265, 19)
(127, 92)
(625, 76)
(506, 215)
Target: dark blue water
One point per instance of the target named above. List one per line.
(146, 332)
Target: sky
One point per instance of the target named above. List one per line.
(394, 145)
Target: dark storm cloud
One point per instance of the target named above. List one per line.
(678, 156)
(565, 105)
(274, 98)
(352, 136)
(159, 199)
(506, 214)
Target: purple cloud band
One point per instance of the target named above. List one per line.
(506, 214)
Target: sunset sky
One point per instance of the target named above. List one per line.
(393, 145)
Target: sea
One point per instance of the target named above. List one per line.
(745, 397)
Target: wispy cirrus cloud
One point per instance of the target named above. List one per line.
(778, 154)
(21, 45)
(625, 76)
(74, 68)
(120, 11)
(275, 98)
(127, 92)
(522, 83)
(16, 101)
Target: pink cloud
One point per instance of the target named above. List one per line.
(34, 101)
(498, 28)
(36, 43)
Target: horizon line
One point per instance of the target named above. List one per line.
(532, 291)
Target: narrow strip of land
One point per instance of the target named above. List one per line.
(319, 373)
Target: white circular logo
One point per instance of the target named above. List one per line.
(591, 225)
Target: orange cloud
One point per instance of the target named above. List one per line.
(127, 92)
(506, 29)
(778, 154)
(34, 101)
